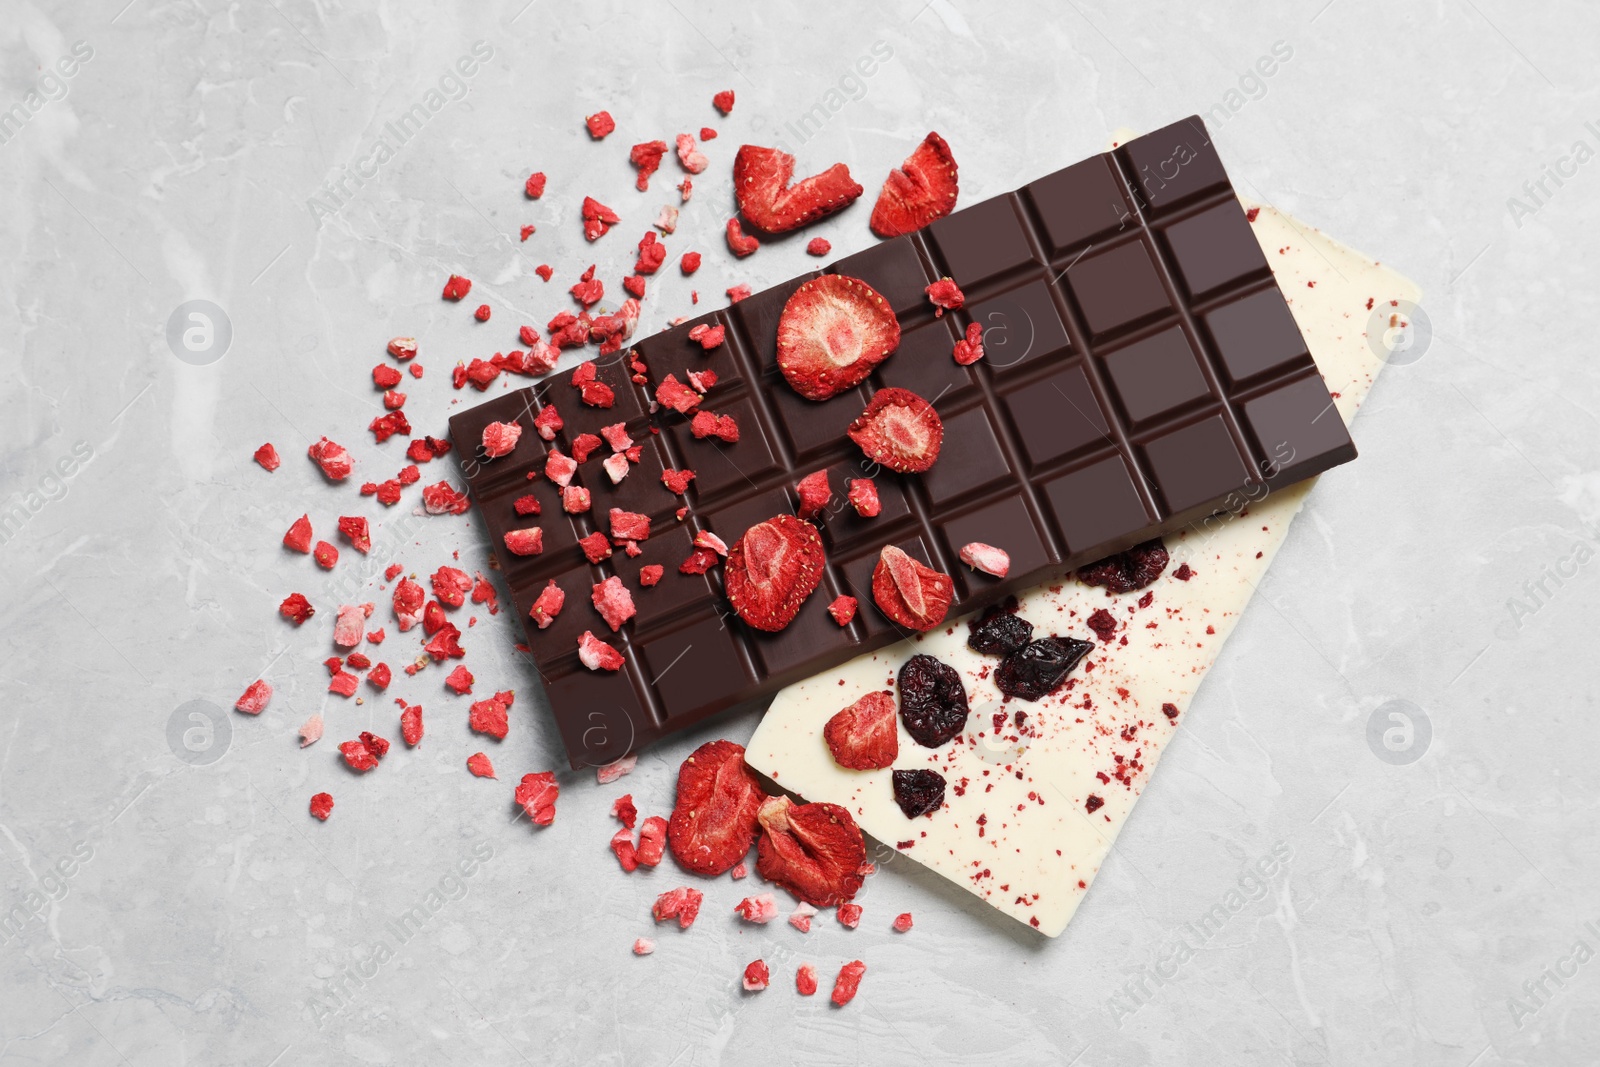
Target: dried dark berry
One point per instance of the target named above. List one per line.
(1034, 670)
(997, 633)
(1103, 623)
(1127, 571)
(918, 792)
(933, 703)
(1091, 804)
(1170, 710)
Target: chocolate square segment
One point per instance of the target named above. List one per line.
(925, 364)
(1005, 523)
(982, 243)
(1080, 203)
(894, 269)
(1118, 289)
(1021, 328)
(1256, 335)
(1215, 248)
(1155, 375)
(1295, 426)
(1097, 504)
(1196, 464)
(1173, 165)
(694, 665)
(970, 459)
(719, 465)
(608, 719)
(1057, 417)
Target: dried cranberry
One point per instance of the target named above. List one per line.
(1127, 571)
(1103, 623)
(1035, 669)
(1092, 803)
(918, 792)
(998, 632)
(933, 703)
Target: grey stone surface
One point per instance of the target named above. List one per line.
(204, 918)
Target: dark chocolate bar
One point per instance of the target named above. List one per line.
(1142, 372)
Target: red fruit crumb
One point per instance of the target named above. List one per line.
(698, 562)
(335, 462)
(255, 697)
(1170, 710)
(441, 498)
(818, 246)
(596, 655)
(814, 493)
(1250, 215)
(416, 370)
(403, 348)
(411, 725)
(536, 795)
(756, 976)
(528, 231)
(393, 401)
(738, 292)
(1183, 573)
(634, 284)
(354, 528)
(652, 841)
(629, 525)
(482, 314)
(385, 376)
(297, 608)
(652, 253)
(600, 124)
(456, 287)
(1103, 623)
(986, 558)
(489, 716)
(451, 585)
(622, 848)
(689, 262)
(757, 909)
(478, 763)
(676, 396)
(533, 188)
(844, 987)
(616, 769)
(723, 101)
(460, 680)
(614, 602)
(902, 922)
(646, 157)
(843, 609)
(681, 903)
(322, 806)
(298, 536)
(386, 426)
(849, 915)
(689, 157)
(739, 243)
(548, 605)
(379, 677)
(597, 219)
(805, 980)
(945, 295)
(267, 456)
(800, 918)
(500, 439)
(864, 497)
(624, 810)
(740, 870)
(970, 349)
(705, 424)
(325, 554)
(650, 574)
(596, 546)
(677, 481)
(709, 336)
(446, 644)
(643, 946)
(545, 270)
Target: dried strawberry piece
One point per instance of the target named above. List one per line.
(923, 189)
(740, 243)
(761, 183)
(714, 820)
(588, 290)
(616, 467)
(255, 697)
(298, 536)
(707, 133)
(409, 475)
(489, 716)
(386, 426)
(760, 909)
(596, 655)
(772, 569)
(597, 219)
(583, 447)
(408, 601)
(418, 451)
(676, 396)
(393, 401)
(614, 602)
(702, 380)
(969, 350)
(478, 763)
(740, 870)
(358, 661)
(363, 755)
(325, 554)
(814, 493)
(596, 546)
(411, 725)
(547, 605)
(484, 593)
(815, 851)
(652, 841)
(451, 585)
(480, 373)
(689, 262)
(456, 287)
(849, 980)
(849, 915)
(864, 497)
(575, 499)
(624, 810)
(500, 438)
(335, 462)
(918, 792)
(900, 430)
(698, 562)
(833, 331)
(652, 253)
(536, 795)
(912, 594)
(403, 348)
(902, 922)
(392, 571)
(933, 702)
(618, 768)
(433, 618)
(616, 436)
(634, 284)
(388, 493)
(548, 423)
(354, 528)
(643, 946)
(647, 158)
(1127, 571)
(723, 427)
(441, 498)
(738, 292)
(544, 270)
(379, 676)
(525, 542)
(800, 918)
(723, 101)
(843, 609)
(460, 680)
(756, 976)
(681, 903)
(709, 336)
(629, 525)
(597, 395)
(267, 456)
(986, 558)
(650, 574)
(622, 848)
(348, 628)
(600, 124)
(416, 370)
(863, 736)
(322, 806)
(689, 157)
(707, 539)
(533, 188)
(375, 637)
(805, 980)
(446, 644)
(296, 608)
(482, 314)
(818, 246)
(667, 221)
(677, 481)
(946, 296)
(560, 468)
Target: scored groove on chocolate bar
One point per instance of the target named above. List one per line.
(1142, 371)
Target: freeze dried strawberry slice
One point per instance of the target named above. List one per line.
(629, 526)
(548, 423)
(441, 498)
(322, 806)
(946, 296)
(296, 608)
(864, 497)
(533, 188)
(403, 348)
(723, 101)
(489, 716)
(912, 594)
(614, 602)
(411, 725)
(600, 124)
(298, 536)
(815, 851)
(681, 903)
(709, 337)
(849, 980)
(689, 157)
(723, 427)
(740, 243)
(335, 462)
(500, 438)
(536, 795)
(255, 697)
(596, 546)
(460, 680)
(986, 558)
(354, 528)
(646, 157)
(349, 626)
(652, 841)
(814, 493)
(714, 820)
(772, 569)
(597, 655)
(900, 430)
(833, 331)
(673, 394)
(677, 481)
(597, 219)
(409, 599)
(325, 554)
(756, 976)
(923, 189)
(864, 737)
(761, 184)
(760, 909)
(451, 585)
(548, 605)
(843, 609)
(969, 350)
(267, 456)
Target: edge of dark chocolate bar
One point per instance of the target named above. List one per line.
(1142, 372)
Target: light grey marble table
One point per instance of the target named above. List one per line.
(167, 900)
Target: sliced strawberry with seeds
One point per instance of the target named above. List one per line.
(597, 655)
(912, 594)
(536, 795)
(843, 609)
(600, 124)
(267, 456)
(761, 183)
(723, 101)
(945, 295)
(647, 158)
(833, 331)
(691, 158)
(900, 430)
(547, 605)
(714, 821)
(815, 851)
(986, 558)
(814, 493)
(740, 243)
(923, 189)
(772, 569)
(298, 536)
(864, 736)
